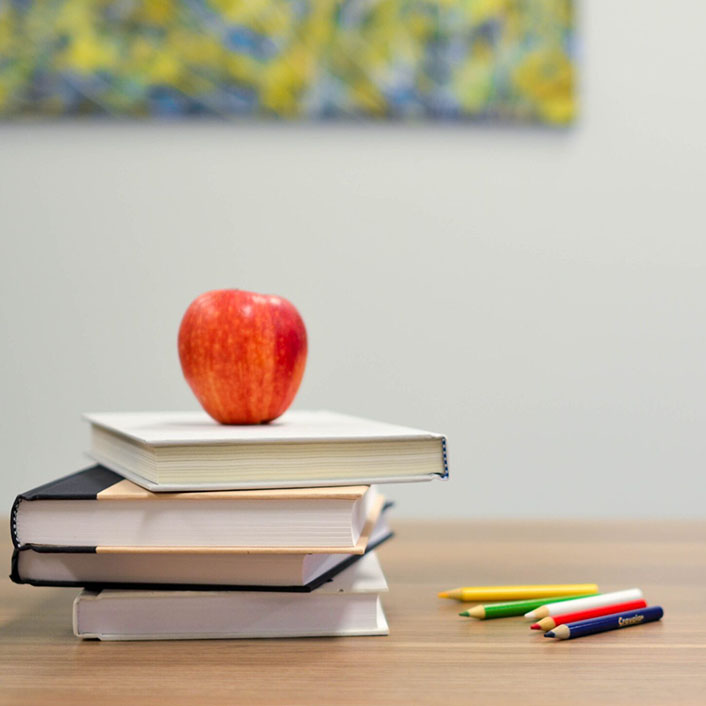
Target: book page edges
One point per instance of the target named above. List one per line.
(259, 485)
(381, 628)
(358, 548)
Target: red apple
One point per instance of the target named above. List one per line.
(243, 354)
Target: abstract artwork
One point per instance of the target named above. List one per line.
(510, 60)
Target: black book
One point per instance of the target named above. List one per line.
(97, 490)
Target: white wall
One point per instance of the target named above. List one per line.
(538, 296)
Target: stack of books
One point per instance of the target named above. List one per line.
(192, 529)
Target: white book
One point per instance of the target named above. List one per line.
(52, 566)
(176, 451)
(98, 508)
(348, 605)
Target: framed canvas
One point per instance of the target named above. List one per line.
(289, 59)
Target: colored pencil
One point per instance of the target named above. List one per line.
(506, 610)
(518, 593)
(551, 622)
(552, 609)
(608, 622)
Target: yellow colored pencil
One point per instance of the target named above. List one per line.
(517, 593)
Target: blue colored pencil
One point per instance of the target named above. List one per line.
(606, 622)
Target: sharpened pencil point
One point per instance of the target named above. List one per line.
(549, 634)
(535, 626)
(465, 614)
(456, 593)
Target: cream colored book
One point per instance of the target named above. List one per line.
(348, 605)
(100, 509)
(178, 451)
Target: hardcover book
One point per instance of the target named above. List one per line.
(41, 565)
(348, 605)
(177, 451)
(97, 508)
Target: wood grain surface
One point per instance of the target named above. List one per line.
(432, 656)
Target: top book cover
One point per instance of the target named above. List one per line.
(179, 451)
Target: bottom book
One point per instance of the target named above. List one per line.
(347, 605)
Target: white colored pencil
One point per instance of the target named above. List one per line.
(631, 594)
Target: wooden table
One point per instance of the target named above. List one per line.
(432, 656)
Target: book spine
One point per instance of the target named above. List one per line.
(13, 521)
(445, 457)
(14, 568)
(15, 576)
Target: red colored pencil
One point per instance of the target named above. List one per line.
(550, 622)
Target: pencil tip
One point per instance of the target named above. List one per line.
(453, 593)
(465, 614)
(549, 634)
(535, 626)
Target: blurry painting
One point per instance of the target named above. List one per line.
(290, 59)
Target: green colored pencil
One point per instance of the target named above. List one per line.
(510, 608)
